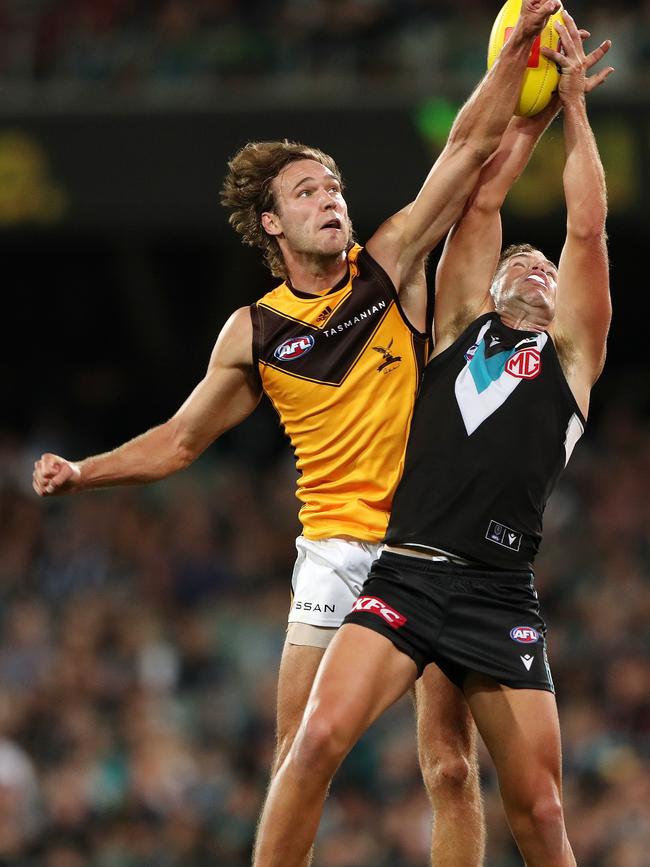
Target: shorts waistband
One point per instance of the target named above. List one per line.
(429, 554)
(440, 566)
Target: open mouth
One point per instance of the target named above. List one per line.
(538, 279)
(332, 224)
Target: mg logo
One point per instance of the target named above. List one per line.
(525, 364)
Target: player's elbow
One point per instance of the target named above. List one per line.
(476, 145)
(487, 201)
(587, 228)
(182, 447)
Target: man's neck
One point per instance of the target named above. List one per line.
(315, 275)
(524, 317)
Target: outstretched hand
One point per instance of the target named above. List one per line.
(574, 63)
(54, 475)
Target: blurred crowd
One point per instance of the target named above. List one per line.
(140, 634)
(291, 46)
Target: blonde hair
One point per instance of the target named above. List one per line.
(247, 191)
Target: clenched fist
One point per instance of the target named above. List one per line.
(54, 475)
(535, 13)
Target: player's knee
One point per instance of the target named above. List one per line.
(542, 818)
(445, 773)
(320, 744)
(547, 816)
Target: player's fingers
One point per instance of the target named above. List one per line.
(61, 477)
(598, 53)
(555, 56)
(49, 469)
(596, 80)
(570, 25)
(551, 7)
(566, 38)
(584, 34)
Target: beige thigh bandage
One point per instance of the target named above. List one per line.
(310, 636)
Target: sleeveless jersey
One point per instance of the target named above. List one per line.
(494, 425)
(342, 371)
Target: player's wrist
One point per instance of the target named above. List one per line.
(75, 482)
(573, 100)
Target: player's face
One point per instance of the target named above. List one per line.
(531, 279)
(311, 213)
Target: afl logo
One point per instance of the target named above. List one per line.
(524, 634)
(294, 348)
(525, 364)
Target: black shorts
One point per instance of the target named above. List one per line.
(463, 618)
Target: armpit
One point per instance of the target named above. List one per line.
(566, 352)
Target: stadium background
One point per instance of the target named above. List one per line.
(140, 629)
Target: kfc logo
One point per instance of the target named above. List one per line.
(377, 606)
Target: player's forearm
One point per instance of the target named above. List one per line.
(584, 178)
(511, 158)
(149, 457)
(485, 116)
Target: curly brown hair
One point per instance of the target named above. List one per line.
(247, 192)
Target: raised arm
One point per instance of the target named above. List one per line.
(400, 244)
(583, 310)
(227, 394)
(471, 253)
(473, 246)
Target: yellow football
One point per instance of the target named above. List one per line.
(542, 76)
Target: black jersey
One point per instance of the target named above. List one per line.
(494, 425)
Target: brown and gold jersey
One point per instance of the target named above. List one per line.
(342, 370)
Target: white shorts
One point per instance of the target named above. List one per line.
(327, 578)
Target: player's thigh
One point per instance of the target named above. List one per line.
(298, 669)
(361, 675)
(445, 728)
(521, 731)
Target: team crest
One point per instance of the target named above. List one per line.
(388, 357)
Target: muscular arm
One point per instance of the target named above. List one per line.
(227, 394)
(399, 244)
(583, 310)
(473, 246)
(472, 249)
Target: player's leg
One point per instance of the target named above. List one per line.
(361, 675)
(521, 731)
(326, 580)
(449, 763)
(298, 669)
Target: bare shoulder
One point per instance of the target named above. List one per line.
(385, 245)
(234, 346)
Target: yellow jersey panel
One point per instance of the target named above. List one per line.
(342, 371)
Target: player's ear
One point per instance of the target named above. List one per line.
(271, 223)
